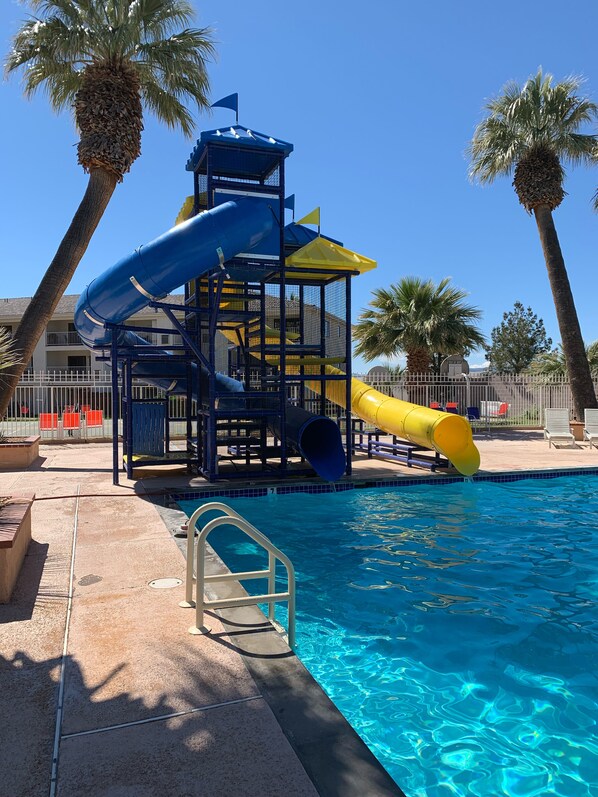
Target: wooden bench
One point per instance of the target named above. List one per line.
(15, 536)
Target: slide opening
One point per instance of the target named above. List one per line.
(320, 442)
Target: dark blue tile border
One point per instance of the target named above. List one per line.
(399, 483)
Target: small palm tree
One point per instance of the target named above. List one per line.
(8, 356)
(529, 132)
(107, 60)
(8, 359)
(554, 362)
(423, 320)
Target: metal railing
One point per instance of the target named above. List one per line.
(64, 339)
(232, 518)
(526, 396)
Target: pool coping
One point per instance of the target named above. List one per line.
(285, 488)
(334, 756)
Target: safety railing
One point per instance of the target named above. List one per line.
(232, 518)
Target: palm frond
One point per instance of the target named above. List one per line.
(417, 315)
(540, 115)
(153, 36)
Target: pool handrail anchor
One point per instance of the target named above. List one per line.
(232, 518)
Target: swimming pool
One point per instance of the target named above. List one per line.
(455, 626)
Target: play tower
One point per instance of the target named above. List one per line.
(270, 318)
(265, 337)
(258, 379)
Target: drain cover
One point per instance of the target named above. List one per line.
(165, 583)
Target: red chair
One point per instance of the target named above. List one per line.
(85, 409)
(434, 405)
(71, 420)
(94, 418)
(503, 410)
(48, 421)
(452, 406)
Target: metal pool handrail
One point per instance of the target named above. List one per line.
(232, 518)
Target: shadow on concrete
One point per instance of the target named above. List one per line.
(518, 435)
(29, 696)
(115, 741)
(27, 589)
(53, 469)
(230, 638)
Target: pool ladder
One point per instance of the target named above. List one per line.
(232, 518)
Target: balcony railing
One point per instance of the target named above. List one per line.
(63, 339)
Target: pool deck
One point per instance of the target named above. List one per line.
(146, 708)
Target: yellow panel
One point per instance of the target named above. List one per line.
(185, 211)
(328, 256)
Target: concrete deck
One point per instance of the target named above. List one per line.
(145, 708)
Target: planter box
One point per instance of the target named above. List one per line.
(577, 429)
(19, 453)
(15, 536)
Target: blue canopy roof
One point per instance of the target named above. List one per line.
(261, 152)
(296, 236)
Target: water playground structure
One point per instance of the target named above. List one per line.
(262, 363)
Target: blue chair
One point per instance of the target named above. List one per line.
(473, 414)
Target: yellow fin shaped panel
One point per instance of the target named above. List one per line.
(326, 255)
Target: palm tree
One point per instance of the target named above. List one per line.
(107, 60)
(554, 362)
(529, 132)
(423, 320)
(8, 356)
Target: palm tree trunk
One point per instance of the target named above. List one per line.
(578, 369)
(99, 190)
(418, 363)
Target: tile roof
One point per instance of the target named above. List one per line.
(14, 308)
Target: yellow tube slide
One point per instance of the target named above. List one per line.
(444, 432)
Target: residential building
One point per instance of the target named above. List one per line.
(61, 350)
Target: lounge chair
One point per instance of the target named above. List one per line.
(556, 426)
(590, 426)
(503, 411)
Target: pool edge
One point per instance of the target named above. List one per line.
(334, 756)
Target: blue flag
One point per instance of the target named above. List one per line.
(290, 202)
(231, 101)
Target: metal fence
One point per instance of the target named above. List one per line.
(73, 405)
(499, 399)
(45, 402)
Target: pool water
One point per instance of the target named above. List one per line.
(455, 626)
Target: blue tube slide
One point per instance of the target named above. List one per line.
(183, 253)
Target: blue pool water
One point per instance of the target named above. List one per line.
(455, 626)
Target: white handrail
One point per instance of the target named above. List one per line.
(232, 518)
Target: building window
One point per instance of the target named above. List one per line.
(293, 325)
(338, 330)
(78, 363)
(327, 328)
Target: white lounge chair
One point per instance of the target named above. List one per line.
(556, 426)
(590, 426)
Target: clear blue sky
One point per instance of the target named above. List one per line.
(380, 100)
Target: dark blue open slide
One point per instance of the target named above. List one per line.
(160, 267)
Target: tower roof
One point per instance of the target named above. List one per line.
(239, 152)
(297, 235)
